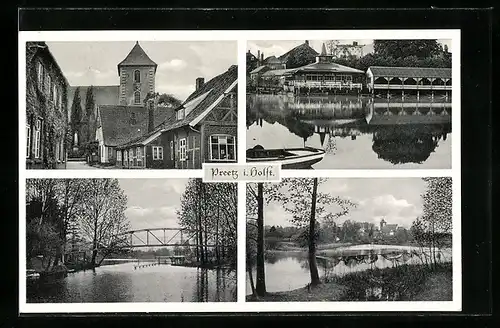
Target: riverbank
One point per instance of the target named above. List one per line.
(403, 283)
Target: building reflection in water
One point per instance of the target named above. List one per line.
(403, 130)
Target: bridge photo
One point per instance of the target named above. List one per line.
(130, 240)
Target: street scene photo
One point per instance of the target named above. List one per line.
(130, 240)
(349, 104)
(130, 104)
(355, 239)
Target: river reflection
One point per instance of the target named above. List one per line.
(290, 270)
(123, 283)
(355, 132)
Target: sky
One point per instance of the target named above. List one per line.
(179, 62)
(397, 200)
(278, 48)
(152, 203)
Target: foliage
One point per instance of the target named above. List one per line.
(55, 121)
(404, 48)
(163, 99)
(76, 114)
(209, 212)
(432, 228)
(90, 119)
(103, 220)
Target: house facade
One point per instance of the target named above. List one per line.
(201, 130)
(46, 109)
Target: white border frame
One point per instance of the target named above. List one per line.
(242, 36)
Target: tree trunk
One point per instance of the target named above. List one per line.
(250, 275)
(261, 275)
(313, 266)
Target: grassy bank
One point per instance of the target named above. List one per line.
(404, 283)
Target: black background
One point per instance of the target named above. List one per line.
(476, 127)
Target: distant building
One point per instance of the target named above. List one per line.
(349, 50)
(252, 61)
(274, 63)
(46, 109)
(387, 229)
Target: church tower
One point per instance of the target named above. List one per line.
(137, 77)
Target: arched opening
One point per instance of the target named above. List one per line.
(410, 81)
(137, 97)
(137, 76)
(395, 81)
(380, 80)
(438, 81)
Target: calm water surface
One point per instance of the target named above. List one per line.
(356, 132)
(290, 270)
(123, 283)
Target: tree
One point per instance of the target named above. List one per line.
(405, 48)
(255, 207)
(332, 47)
(209, 212)
(76, 114)
(163, 99)
(435, 223)
(89, 115)
(307, 205)
(103, 220)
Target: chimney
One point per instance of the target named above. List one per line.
(151, 114)
(307, 42)
(199, 83)
(354, 43)
(258, 57)
(262, 57)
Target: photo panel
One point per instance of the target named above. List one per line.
(352, 240)
(130, 104)
(129, 241)
(378, 103)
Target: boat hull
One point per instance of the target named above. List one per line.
(304, 162)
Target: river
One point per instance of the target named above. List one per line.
(288, 270)
(125, 283)
(357, 133)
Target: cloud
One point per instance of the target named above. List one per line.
(173, 65)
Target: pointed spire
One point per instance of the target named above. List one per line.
(323, 50)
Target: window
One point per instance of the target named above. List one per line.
(130, 156)
(182, 149)
(158, 152)
(125, 157)
(49, 85)
(137, 97)
(222, 147)
(39, 72)
(118, 155)
(139, 156)
(171, 150)
(54, 96)
(137, 76)
(38, 132)
(28, 140)
(181, 114)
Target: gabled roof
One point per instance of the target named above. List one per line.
(272, 60)
(116, 124)
(137, 57)
(279, 72)
(415, 72)
(327, 67)
(300, 49)
(34, 47)
(259, 69)
(212, 93)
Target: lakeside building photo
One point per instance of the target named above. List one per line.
(133, 105)
(364, 104)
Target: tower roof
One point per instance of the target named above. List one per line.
(137, 57)
(323, 50)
